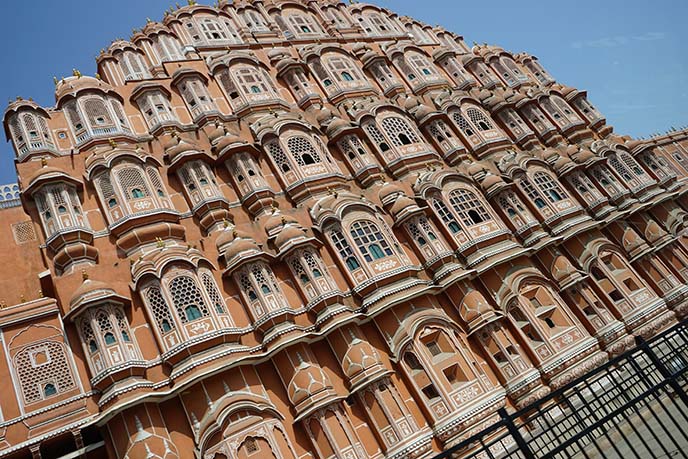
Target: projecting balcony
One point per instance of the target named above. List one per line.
(26, 149)
(85, 135)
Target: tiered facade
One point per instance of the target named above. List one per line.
(308, 229)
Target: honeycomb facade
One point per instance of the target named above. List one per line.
(308, 229)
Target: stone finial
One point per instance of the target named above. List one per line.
(76, 73)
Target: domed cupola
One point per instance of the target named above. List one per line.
(397, 203)
(91, 292)
(476, 311)
(26, 124)
(655, 234)
(223, 141)
(333, 126)
(310, 388)
(633, 244)
(92, 108)
(74, 85)
(362, 364)
(238, 248)
(179, 150)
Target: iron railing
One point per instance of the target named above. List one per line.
(634, 406)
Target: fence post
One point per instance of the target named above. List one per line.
(515, 434)
(662, 369)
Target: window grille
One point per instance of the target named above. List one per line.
(213, 293)
(105, 186)
(463, 124)
(97, 112)
(23, 232)
(368, 238)
(161, 312)
(620, 168)
(278, 156)
(632, 164)
(376, 136)
(303, 151)
(132, 183)
(73, 116)
(399, 131)
(40, 365)
(187, 298)
(479, 119)
(156, 180)
(469, 207)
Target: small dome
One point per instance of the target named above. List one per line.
(389, 191)
(178, 147)
(473, 306)
(232, 243)
(654, 232)
(75, 84)
(45, 172)
(90, 290)
(308, 380)
(401, 204)
(562, 269)
(290, 233)
(359, 357)
(276, 221)
(490, 181)
(631, 240)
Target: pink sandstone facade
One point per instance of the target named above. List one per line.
(301, 229)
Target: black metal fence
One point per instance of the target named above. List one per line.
(634, 406)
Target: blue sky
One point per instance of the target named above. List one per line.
(628, 54)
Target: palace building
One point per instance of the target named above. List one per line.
(309, 229)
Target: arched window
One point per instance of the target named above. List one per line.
(303, 24)
(342, 68)
(369, 240)
(213, 293)
(59, 208)
(132, 182)
(549, 186)
(445, 215)
(476, 126)
(439, 364)
(469, 207)
(167, 47)
(199, 181)
(422, 65)
(156, 108)
(106, 337)
(259, 287)
(253, 82)
(196, 97)
(533, 193)
(161, 312)
(133, 65)
(310, 273)
(344, 250)
(255, 21)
